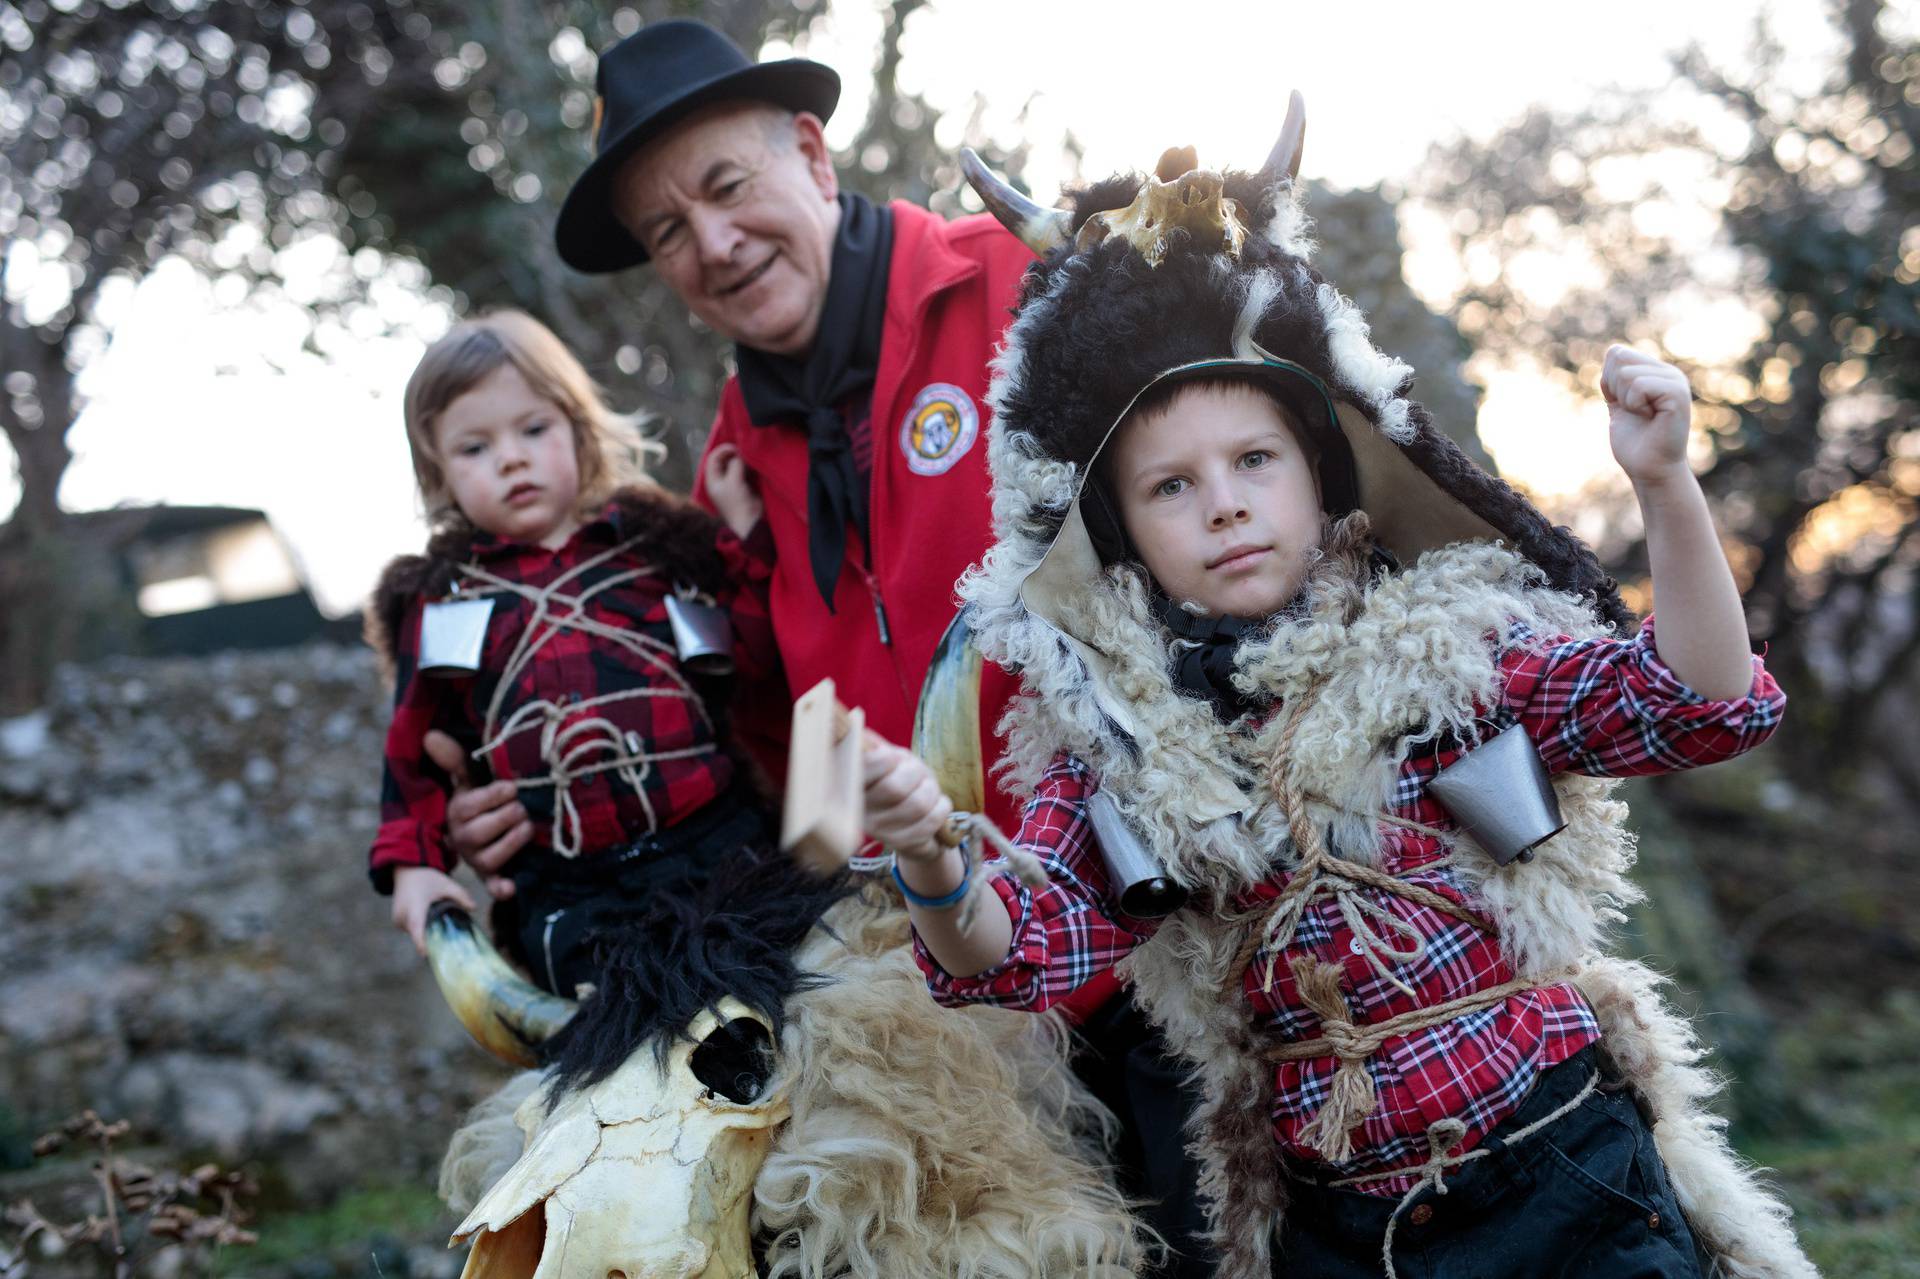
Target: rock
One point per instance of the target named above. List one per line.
(230, 1105)
(24, 736)
(189, 936)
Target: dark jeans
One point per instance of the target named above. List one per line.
(1123, 1062)
(1585, 1196)
(560, 904)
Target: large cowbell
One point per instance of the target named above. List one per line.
(1500, 794)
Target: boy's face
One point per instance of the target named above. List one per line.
(1219, 499)
(509, 460)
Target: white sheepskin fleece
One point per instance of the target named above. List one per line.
(1261, 288)
(928, 1142)
(1408, 654)
(1743, 1221)
(1290, 228)
(1378, 378)
(924, 1143)
(486, 1145)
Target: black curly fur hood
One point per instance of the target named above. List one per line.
(1094, 326)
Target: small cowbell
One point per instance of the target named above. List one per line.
(1500, 795)
(1140, 883)
(453, 635)
(702, 636)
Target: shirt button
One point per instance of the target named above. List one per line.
(1421, 1214)
(1653, 1221)
(1356, 947)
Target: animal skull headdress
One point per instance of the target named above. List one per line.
(1186, 273)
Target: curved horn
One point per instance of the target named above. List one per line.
(1283, 162)
(1042, 230)
(946, 724)
(504, 1012)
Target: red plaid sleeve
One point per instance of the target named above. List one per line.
(1612, 708)
(413, 792)
(1064, 934)
(750, 561)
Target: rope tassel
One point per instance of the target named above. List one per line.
(1351, 1097)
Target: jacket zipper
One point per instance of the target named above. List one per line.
(883, 624)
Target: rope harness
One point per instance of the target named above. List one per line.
(574, 742)
(1351, 1094)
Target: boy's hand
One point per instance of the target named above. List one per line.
(485, 826)
(731, 492)
(1649, 408)
(905, 808)
(415, 889)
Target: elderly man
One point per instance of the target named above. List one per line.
(863, 335)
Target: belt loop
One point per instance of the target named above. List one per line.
(1508, 1163)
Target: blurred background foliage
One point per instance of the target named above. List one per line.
(1767, 241)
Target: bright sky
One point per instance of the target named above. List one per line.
(202, 399)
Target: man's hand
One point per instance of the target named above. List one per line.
(485, 826)
(1649, 410)
(417, 888)
(905, 808)
(731, 490)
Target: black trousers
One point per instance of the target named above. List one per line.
(1123, 1061)
(1585, 1196)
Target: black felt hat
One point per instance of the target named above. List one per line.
(649, 82)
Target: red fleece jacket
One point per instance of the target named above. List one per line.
(950, 289)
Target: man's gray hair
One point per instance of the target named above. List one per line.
(776, 124)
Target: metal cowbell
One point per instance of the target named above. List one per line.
(1500, 794)
(453, 635)
(1141, 884)
(702, 636)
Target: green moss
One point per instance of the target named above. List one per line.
(1857, 1200)
(358, 1222)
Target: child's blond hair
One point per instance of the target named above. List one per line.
(608, 446)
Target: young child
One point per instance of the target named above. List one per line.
(579, 693)
(1259, 604)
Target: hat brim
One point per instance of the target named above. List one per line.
(1410, 512)
(588, 236)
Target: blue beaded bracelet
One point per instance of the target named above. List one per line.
(949, 900)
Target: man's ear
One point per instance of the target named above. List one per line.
(811, 137)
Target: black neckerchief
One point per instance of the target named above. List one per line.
(1202, 654)
(815, 391)
(1204, 647)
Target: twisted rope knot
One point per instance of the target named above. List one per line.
(1441, 1137)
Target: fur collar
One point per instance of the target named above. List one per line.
(672, 527)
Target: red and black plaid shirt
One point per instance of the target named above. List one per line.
(569, 669)
(1605, 707)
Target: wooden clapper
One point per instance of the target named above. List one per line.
(822, 822)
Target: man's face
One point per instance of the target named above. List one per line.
(1219, 499)
(736, 206)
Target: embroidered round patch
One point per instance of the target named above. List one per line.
(939, 429)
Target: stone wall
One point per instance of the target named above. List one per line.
(190, 941)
